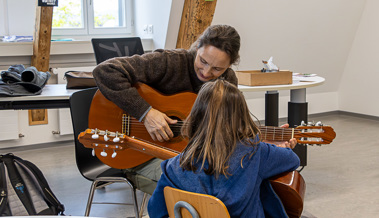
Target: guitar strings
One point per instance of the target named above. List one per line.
(159, 146)
(266, 129)
(275, 130)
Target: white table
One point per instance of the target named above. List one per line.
(52, 96)
(297, 96)
(302, 83)
(57, 96)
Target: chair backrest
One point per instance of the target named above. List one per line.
(106, 48)
(205, 205)
(80, 103)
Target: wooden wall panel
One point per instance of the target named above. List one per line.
(197, 16)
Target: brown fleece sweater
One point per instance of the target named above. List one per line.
(167, 71)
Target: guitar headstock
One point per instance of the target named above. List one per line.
(314, 134)
(105, 140)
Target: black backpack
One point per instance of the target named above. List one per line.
(24, 190)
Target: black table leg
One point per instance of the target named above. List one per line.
(272, 108)
(298, 112)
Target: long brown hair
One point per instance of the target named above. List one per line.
(218, 120)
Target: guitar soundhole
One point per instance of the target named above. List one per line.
(175, 128)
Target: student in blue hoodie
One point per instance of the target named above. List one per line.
(225, 157)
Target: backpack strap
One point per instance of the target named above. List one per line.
(52, 200)
(3, 190)
(18, 184)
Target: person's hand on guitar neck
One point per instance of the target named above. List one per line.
(284, 144)
(157, 124)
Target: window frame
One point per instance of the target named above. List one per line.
(88, 27)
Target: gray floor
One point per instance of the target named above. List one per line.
(342, 179)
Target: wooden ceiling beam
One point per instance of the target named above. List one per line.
(196, 17)
(42, 38)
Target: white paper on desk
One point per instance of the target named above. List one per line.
(304, 74)
(296, 79)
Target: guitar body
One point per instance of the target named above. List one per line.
(290, 187)
(105, 115)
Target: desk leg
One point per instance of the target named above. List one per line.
(297, 112)
(272, 108)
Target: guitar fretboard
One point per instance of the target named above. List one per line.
(276, 133)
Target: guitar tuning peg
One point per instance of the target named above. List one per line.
(106, 138)
(116, 139)
(114, 154)
(303, 123)
(311, 123)
(319, 123)
(103, 153)
(93, 152)
(95, 136)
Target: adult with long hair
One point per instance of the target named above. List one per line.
(225, 157)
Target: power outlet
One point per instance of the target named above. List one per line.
(145, 29)
(150, 29)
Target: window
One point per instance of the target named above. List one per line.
(89, 17)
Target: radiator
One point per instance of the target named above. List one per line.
(64, 117)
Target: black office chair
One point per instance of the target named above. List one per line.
(106, 48)
(90, 166)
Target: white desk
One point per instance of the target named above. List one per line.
(52, 96)
(305, 82)
(57, 96)
(297, 95)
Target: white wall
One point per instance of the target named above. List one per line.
(174, 23)
(358, 90)
(164, 15)
(302, 36)
(25, 11)
(156, 13)
(3, 23)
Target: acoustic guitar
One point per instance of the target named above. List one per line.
(121, 141)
